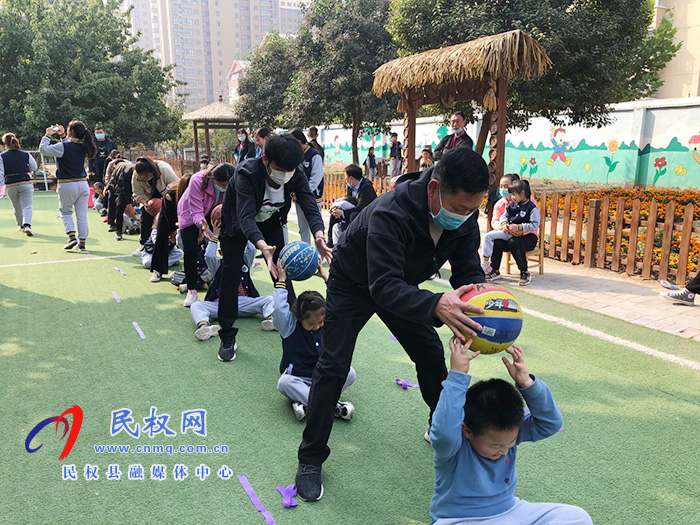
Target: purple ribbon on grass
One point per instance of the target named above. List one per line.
(255, 500)
(405, 383)
(119, 270)
(138, 330)
(392, 337)
(116, 297)
(288, 494)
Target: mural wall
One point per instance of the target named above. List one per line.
(650, 143)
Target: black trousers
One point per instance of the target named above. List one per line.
(167, 223)
(694, 284)
(233, 249)
(190, 245)
(146, 225)
(111, 208)
(121, 202)
(348, 308)
(517, 246)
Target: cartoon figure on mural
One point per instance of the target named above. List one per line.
(694, 142)
(336, 148)
(558, 138)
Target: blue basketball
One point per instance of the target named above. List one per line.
(300, 259)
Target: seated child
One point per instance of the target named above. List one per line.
(174, 253)
(521, 216)
(301, 330)
(250, 302)
(426, 160)
(100, 199)
(475, 446)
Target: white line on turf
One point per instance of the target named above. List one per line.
(686, 363)
(64, 261)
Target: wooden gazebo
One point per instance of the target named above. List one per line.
(218, 115)
(476, 70)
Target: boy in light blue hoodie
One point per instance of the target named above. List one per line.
(475, 446)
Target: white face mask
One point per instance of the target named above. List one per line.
(281, 177)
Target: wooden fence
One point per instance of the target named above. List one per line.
(616, 236)
(335, 187)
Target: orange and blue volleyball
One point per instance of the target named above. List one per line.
(300, 260)
(501, 321)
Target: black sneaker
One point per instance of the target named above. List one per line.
(119, 237)
(27, 229)
(227, 349)
(493, 276)
(72, 243)
(308, 481)
(525, 279)
(81, 247)
(683, 296)
(112, 229)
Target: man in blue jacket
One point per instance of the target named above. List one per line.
(392, 246)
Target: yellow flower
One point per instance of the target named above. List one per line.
(680, 170)
(587, 166)
(613, 146)
(523, 160)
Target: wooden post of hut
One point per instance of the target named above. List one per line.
(218, 115)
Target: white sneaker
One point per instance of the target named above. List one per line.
(206, 331)
(267, 325)
(155, 278)
(182, 288)
(299, 410)
(192, 297)
(344, 410)
(426, 436)
(138, 252)
(486, 266)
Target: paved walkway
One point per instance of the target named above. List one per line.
(617, 295)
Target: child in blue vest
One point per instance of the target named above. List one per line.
(475, 445)
(301, 329)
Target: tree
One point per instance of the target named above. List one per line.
(267, 77)
(76, 60)
(340, 44)
(602, 51)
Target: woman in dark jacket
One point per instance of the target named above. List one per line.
(245, 149)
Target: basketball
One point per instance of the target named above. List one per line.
(501, 321)
(300, 259)
(153, 206)
(216, 213)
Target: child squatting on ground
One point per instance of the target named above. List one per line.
(518, 226)
(301, 329)
(475, 446)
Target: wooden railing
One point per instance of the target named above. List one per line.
(335, 187)
(608, 234)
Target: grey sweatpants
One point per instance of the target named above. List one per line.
(304, 228)
(21, 197)
(489, 238)
(526, 513)
(173, 258)
(247, 307)
(297, 388)
(74, 195)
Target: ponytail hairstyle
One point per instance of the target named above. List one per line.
(182, 186)
(220, 172)
(520, 186)
(10, 141)
(511, 177)
(78, 130)
(308, 302)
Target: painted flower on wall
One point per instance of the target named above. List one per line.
(523, 159)
(533, 167)
(533, 161)
(680, 170)
(523, 165)
(613, 146)
(659, 164)
(587, 166)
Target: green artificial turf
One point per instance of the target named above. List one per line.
(627, 454)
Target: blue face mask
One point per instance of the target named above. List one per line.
(458, 130)
(505, 193)
(449, 220)
(100, 136)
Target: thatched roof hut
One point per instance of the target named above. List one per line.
(218, 115)
(476, 70)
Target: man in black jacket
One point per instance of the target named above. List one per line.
(456, 139)
(396, 243)
(360, 189)
(97, 165)
(256, 193)
(313, 141)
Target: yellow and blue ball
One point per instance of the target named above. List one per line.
(501, 321)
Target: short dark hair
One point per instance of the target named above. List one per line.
(262, 133)
(371, 148)
(298, 134)
(462, 169)
(494, 404)
(223, 172)
(285, 151)
(393, 134)
(460, 114)
(307, 302)
(520, 186)
(313, 131)
(99, 126)
(354, 171)
(242, 130)
(98, 185)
